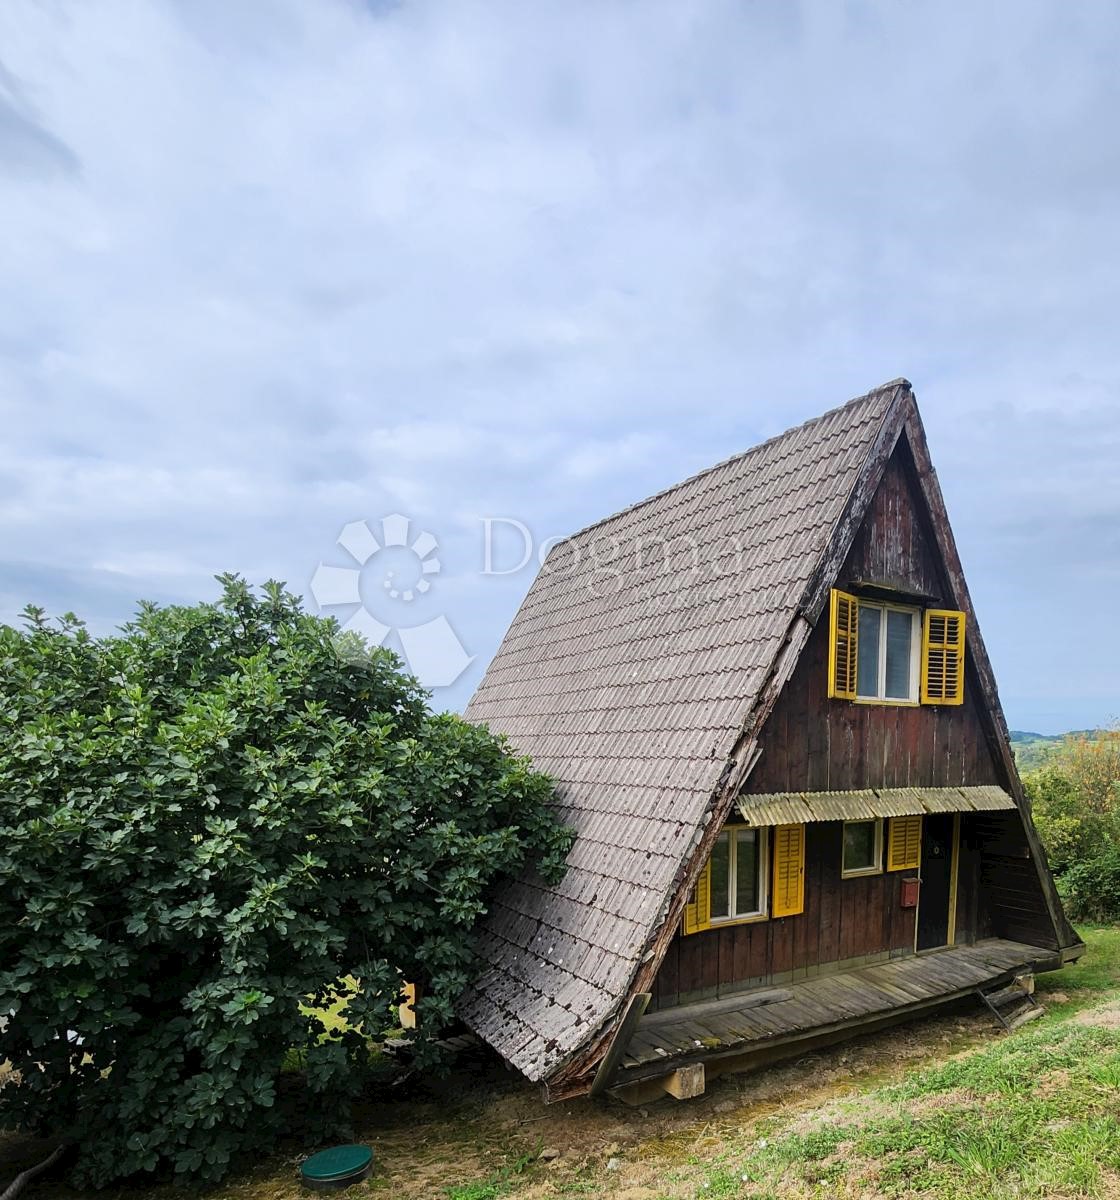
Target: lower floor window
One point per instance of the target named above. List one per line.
(863, 847)
(738, 874)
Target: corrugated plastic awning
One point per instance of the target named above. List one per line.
(799, 808)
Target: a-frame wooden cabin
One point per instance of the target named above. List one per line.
(773, 725)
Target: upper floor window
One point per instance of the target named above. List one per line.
(894, 654)
(887, 664)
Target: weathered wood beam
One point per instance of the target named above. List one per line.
(737, 1002)
(634, 1011)
(645, 1089)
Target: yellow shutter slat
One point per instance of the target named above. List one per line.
(697, 912)
(904, 843)
(943, 639)
(789, 870)
(843, 645)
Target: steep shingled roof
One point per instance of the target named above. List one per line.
(627, 675)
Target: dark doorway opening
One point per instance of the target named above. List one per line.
(934, 897)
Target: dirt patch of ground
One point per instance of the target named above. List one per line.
(1110, 1185)
(1106, 1016)
(1052, 1083)
(933, 1102)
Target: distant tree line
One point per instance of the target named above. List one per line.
(1075, 794)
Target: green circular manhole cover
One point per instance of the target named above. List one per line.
(338, 1167)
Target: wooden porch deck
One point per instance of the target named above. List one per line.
(843, 1003)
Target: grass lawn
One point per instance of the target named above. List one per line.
(946, 1107)
(1033, 1113)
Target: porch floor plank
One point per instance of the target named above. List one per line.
(854, 997)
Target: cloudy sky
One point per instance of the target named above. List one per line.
(267, 271)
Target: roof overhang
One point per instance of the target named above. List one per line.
(800, 808)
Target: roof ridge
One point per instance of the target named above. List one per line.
(900, 382)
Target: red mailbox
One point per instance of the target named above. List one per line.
(910, 892)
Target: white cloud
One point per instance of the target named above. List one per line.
(264, 277)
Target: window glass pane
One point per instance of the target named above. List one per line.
(720, 876)
(899, 631)
(867, 676)
(859, 845)
(746, 871)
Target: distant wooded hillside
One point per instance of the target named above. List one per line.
(1032, 749)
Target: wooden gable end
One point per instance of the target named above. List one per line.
(812, 743)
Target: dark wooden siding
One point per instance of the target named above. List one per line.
(813, 744)
(1011, 896)
(844, 919)
(894, 546)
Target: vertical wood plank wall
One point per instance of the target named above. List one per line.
(813, 744)
(1014, 906)
(843, 919)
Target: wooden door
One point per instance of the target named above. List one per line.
(935, 894)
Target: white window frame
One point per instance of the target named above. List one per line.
(916, 626)
(763, 833)
(877, 868)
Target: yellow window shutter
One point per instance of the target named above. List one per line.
(697, 912)
(843, 628)
(943, 657)
(904, 843)
(789, 870)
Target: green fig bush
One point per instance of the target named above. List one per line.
(215, 827)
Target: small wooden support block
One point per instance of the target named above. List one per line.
(685, 1083)
(1026, 982)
